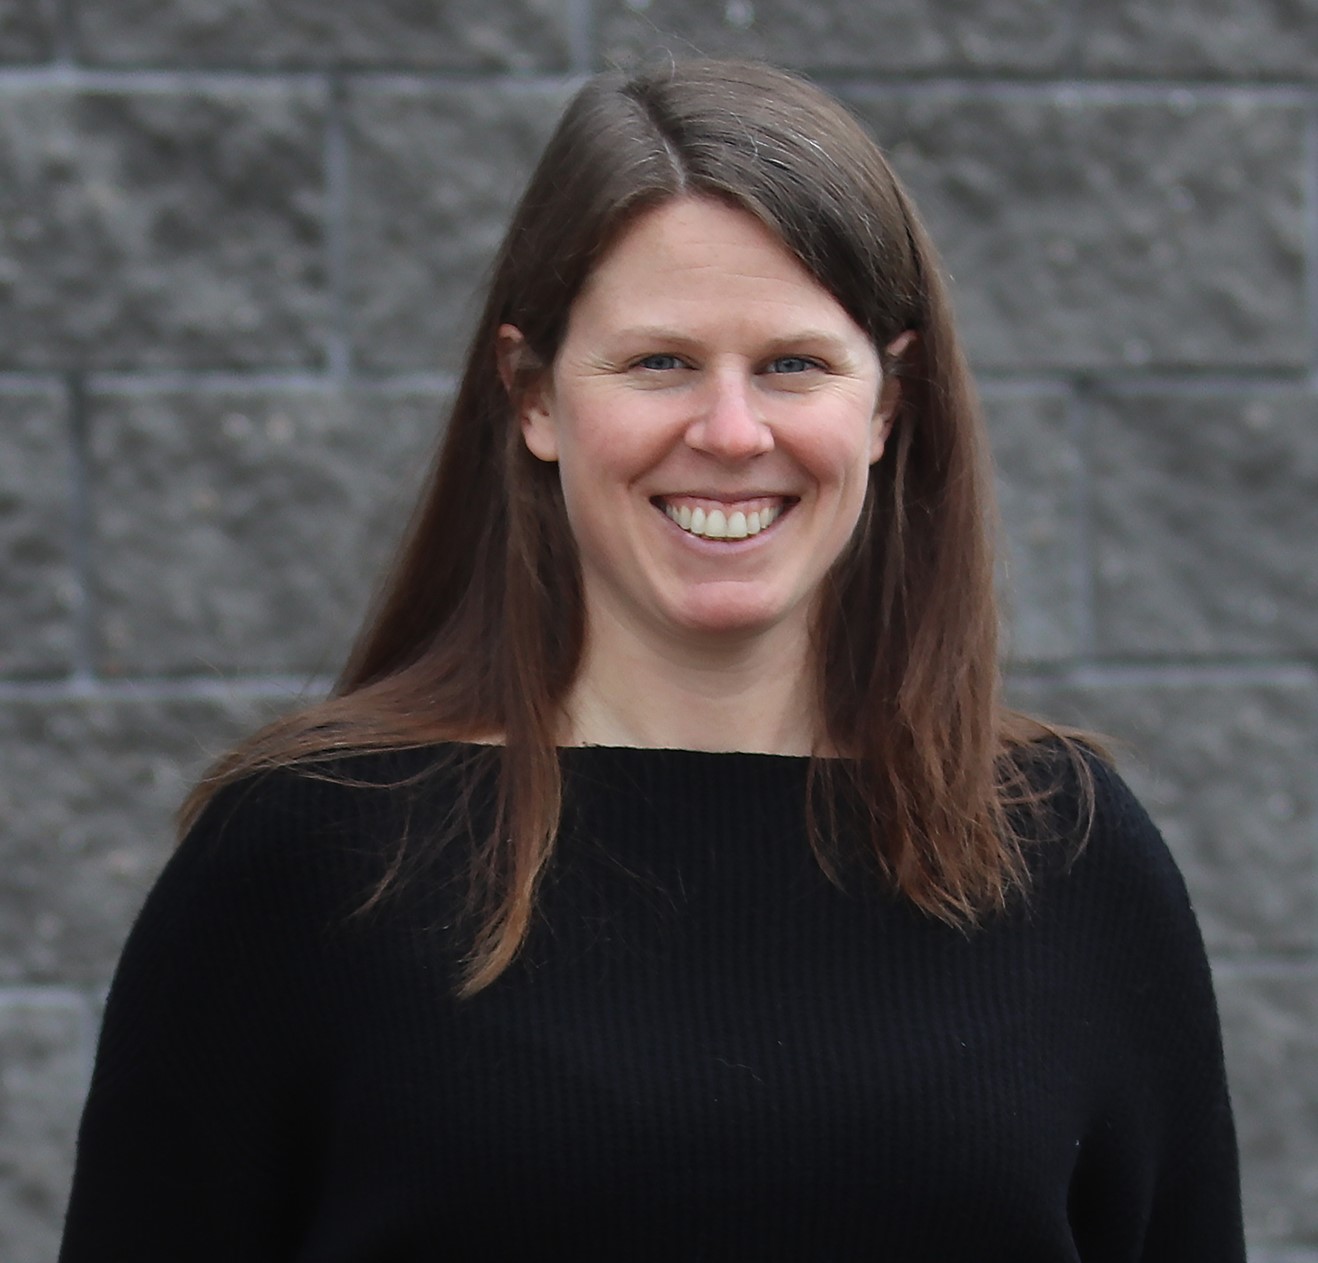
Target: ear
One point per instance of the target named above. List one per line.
(529, 390)
(890, 392)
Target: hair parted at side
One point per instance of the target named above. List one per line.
(478, 629)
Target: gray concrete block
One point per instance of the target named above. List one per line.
(434, 177)
(87, 793)
(161, 228)
(1038, 483)
(43, 1071)
(466, 34)
(1270, 1027)
(239, 531)
(36, 499)
(27, 30)
(1226, 770)
(1089, 234)
(1206, 513)
(1245, 39)
(902, 36)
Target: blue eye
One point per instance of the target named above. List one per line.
(792, 364)
(659, 363)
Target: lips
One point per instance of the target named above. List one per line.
(715, 518)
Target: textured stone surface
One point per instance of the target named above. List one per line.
(1270, 1025)
(36, 501)
(1086, 233)
(1206, 513)
(456, 33)
(244, 531)
(1227, 38)
(903, 35)
(87, 792)
(161, 228)
(434, 175)
(1038, 481)
(1227, 773)
(43, 1061)
(27, 30)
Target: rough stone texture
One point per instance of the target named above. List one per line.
(42, 1080)
(1089, 234)
(243, 530)
(36, 500)
(174, 228)
(1270, 1024)
(87, 792)
(27, 30)
(1038, 482)
(1206, 513)
(1196, 38)
(1227, 772)
(905, 36)
(519, 34)
(434, 178)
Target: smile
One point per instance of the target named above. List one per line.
(715, 521)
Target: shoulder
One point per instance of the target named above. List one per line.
(1083, 812)
(1098, 858)
(322, 801)
(1123, 845)
(1113, 910)
(277, 867)
(1108, 883)
(317, 837)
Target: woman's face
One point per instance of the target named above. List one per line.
(714, 413)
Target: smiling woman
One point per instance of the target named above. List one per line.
(706, 381)
(665, 878)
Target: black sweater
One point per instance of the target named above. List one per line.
(706, 1050)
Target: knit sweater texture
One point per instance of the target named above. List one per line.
(706, 1050)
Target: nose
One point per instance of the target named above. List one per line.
(729, 423)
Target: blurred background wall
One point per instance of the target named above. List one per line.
(238, 245)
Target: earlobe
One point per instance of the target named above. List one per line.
(890, 393)
(538, 431)
(528, 391)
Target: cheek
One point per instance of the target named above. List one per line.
(597, 468)
(589, 469)
(837, 457)
(606, 450)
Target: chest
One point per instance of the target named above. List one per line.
(665, 1061)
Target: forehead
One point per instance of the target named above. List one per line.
(694, 253)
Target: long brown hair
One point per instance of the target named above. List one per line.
(478, 630)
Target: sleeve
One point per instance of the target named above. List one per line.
(1173, 1031)
(192, 1141)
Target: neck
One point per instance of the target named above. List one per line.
(755, 694)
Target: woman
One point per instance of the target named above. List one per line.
(665, 878)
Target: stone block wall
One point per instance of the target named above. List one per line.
(238, 250)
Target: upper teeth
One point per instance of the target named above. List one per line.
(719, 525)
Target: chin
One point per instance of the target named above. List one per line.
(736, 620)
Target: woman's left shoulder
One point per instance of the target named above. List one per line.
(1092, 838)
(1078, 797)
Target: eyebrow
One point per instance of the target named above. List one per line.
(796, 337)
